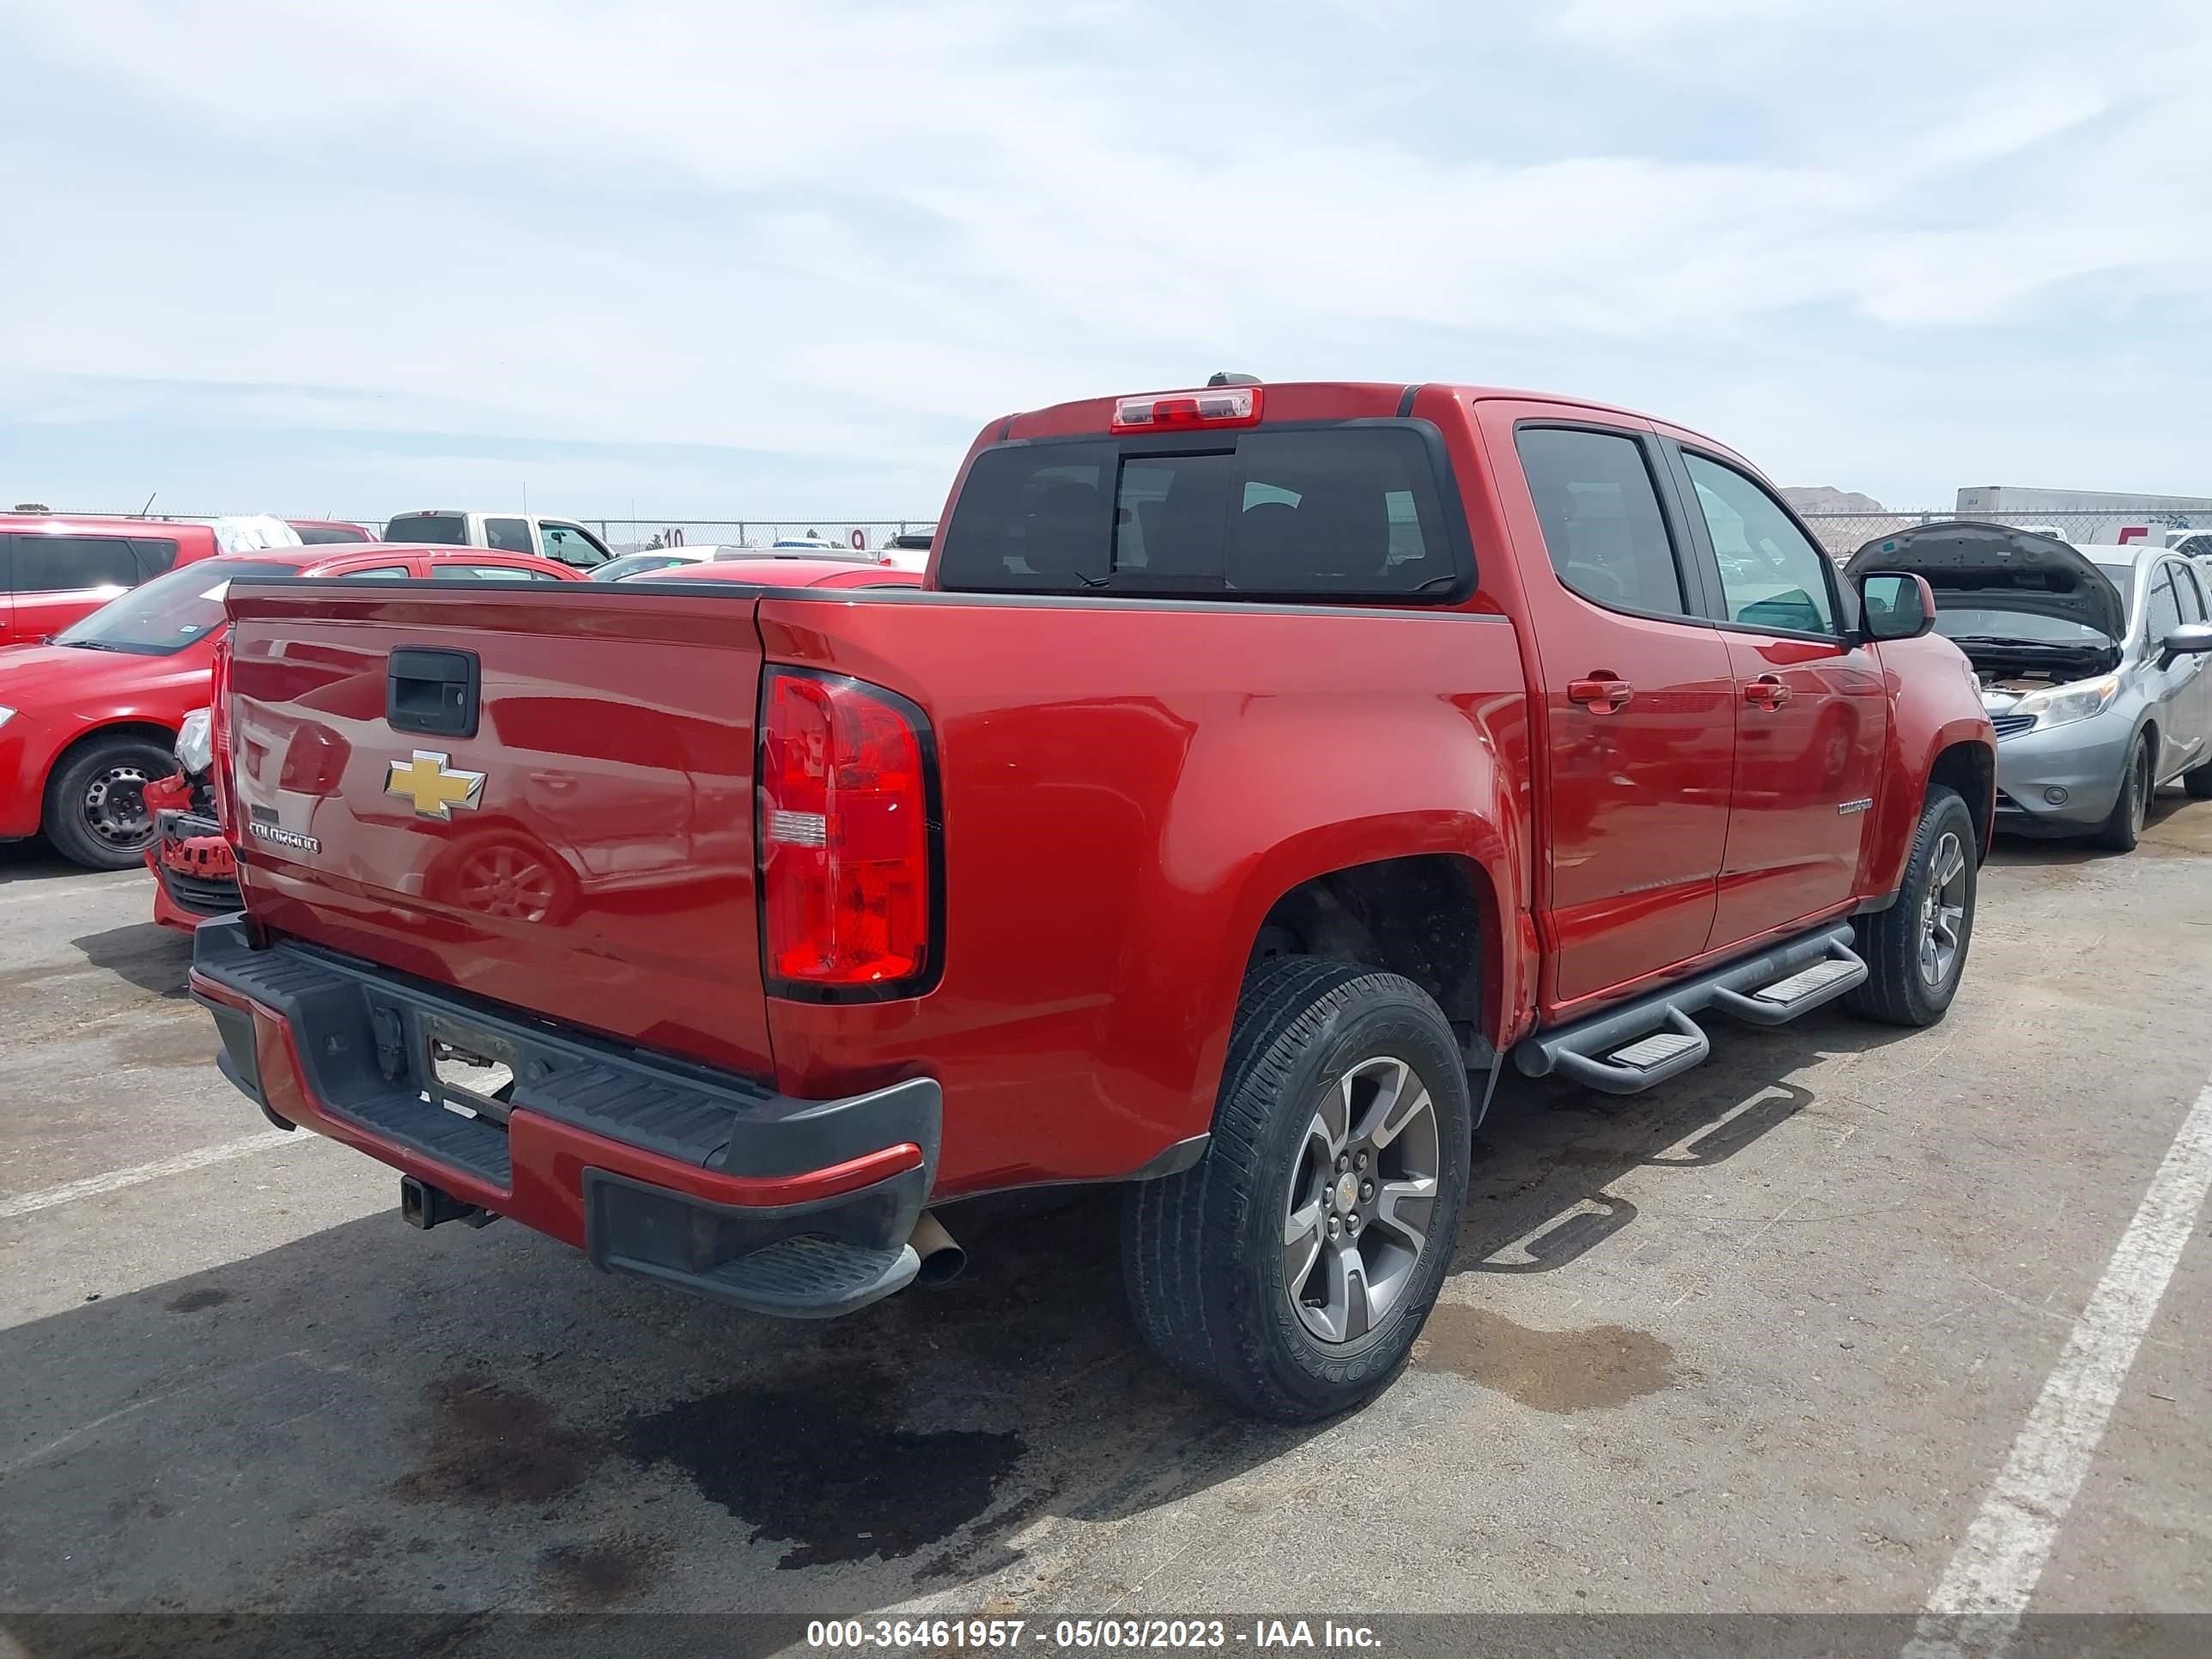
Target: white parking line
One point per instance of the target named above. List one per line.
(1976, 1606)
(11, 895)
(115, 1180)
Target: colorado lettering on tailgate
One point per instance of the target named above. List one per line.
(1259, 771)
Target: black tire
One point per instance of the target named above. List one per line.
(2121, 831)
(96, 811)
(1900, 989)
(1204, 1253)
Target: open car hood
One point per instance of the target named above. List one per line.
(2012, 569)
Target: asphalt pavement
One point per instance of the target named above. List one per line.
(1765, 1340)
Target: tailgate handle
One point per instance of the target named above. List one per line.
(433, 692)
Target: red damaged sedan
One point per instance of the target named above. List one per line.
(88, 721)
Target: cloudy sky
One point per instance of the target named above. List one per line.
(770, 260)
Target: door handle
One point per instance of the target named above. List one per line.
(1767, 692)
(1601, 694)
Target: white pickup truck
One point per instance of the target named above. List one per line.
(563, 540)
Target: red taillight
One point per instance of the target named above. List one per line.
(846, 899)
(1155, 412)
(219, 737)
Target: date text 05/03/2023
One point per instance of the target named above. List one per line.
(1089, 1635)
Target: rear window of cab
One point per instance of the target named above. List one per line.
(1354, 510)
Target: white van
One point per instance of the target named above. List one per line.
(561, 539)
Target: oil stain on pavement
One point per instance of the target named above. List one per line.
(492, 1445)
(1559, 1371)
(809, 1462)
(604, 1573)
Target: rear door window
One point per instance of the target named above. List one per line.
(65, 565)
(486, 573)
(380, 572)
(508, 535)
(438, 529)
(1600, 513)
(1353, 511)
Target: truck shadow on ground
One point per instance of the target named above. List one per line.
(369, 1417)
(1548, 1151)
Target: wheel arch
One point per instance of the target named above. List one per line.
(130, 725)
(1432, 917)
(1970, 770)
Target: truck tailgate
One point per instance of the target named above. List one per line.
(571, 834)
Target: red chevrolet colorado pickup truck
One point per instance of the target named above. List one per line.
(1260, 769)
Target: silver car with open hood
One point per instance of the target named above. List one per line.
(2092, 664)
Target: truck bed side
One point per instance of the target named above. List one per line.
(1110, 853)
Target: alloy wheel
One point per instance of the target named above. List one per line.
(1943, 911)
(1356, 1222)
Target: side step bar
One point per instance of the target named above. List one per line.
(1626, 1050)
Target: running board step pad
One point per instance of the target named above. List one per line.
(1646, 1053)
(1806, 981)
(1626, 1050)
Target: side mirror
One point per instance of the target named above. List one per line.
(1893, 605)
(2190, 639)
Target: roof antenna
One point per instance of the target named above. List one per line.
(149, 507)
(1229, 377)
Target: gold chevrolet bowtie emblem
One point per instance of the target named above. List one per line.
(433, 789)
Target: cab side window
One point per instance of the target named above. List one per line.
(1600, 513)
(508, 535)
(1772, 575)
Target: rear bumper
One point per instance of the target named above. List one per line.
(672, 1172)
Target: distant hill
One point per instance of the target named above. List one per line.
(1826, 498)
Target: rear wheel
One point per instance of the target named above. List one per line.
(95, 810)
(1292, 1268)
(1915, 950)
(2121, 831)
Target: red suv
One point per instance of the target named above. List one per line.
(89, 720)
(54, 570)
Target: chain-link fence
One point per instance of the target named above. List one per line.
(1843, 534)
(629, 535)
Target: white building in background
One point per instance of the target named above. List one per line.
(2011, 499)
(2082, 516)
